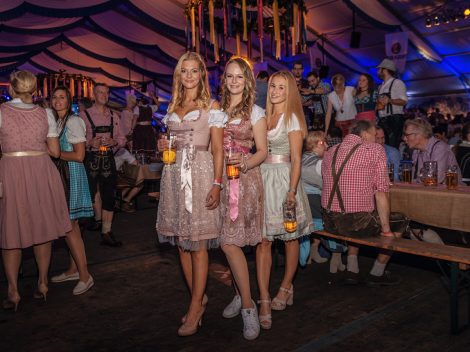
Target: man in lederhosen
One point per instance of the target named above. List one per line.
(103, 135)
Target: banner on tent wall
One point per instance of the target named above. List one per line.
(396, 49)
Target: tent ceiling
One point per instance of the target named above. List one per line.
(141, 40)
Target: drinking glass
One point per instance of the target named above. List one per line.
(452, 178)
(428, 173)
(406, 171)
(290, 219)
(169, 152)
(232, 171)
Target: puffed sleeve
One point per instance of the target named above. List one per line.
(293, 124)
(52, 131)
(76, 130)
(217, 118)
(257, 113)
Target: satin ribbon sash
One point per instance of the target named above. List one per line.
(187, 158)
(25, 153)
(277, 159)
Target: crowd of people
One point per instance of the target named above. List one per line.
(307, 157)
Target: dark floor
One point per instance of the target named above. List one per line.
(139, 298)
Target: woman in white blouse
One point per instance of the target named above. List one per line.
(341, 99)
(188, 216)
(71, 129)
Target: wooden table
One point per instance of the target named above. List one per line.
(435, 206)
(440, 207)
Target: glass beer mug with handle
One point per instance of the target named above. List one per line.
(428, 173)
(406, 168)
(232, 171)
(169, 152)
(290, 219)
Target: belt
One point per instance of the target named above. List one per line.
(200, 148)
(277, 159)
(144, 123)
(25, 153)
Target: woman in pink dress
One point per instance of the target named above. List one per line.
(188, 212)
(243, 201)
(33, 209)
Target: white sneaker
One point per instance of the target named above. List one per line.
(233, 308)
(82, 287)
(250, 323)
(64, 277)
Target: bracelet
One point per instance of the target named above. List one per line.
(218, 180)
(218, 184)
(292, 190)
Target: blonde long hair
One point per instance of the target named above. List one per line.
(203, 99)
(293, 102)
(243, 109)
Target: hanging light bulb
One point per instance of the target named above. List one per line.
(437, 22)
(466, 12)
(428, 23)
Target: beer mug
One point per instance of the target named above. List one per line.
(406, 171)
(452, 178)
(103, 148)
(290, 219)
(169, 152)
(232, 171)
(428, 173)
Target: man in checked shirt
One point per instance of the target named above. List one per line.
(355, 198)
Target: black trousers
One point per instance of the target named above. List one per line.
(393, 128)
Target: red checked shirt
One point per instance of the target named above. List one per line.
(364, 174)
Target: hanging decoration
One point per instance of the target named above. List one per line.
(79, 86)
(239, 18)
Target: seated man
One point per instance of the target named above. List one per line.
(355, 198)
(132, 187)
(418, 135)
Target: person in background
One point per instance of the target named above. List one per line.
(335, 136)
(314, 147)
(355, 199)
(128, 118)
(341, 99)
(261, 88)
(132, 187)
(393, 154)
(366, 98)
(71, 129)
(462, 153)
(315, 99)
(33, 209)
(392, 99)
(103, 133)
(144, 137)
(440, 133)
(455, 137)
(418, 136)
(297, 72)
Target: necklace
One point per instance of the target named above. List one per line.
(340, 103)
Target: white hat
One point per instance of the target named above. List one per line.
(388, 64)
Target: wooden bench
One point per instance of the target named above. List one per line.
(457, 257)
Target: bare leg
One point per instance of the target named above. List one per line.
(12, 262)
(132, 193)
(97, 206)
(77, 249)
(42, 253)
(263, 272)
(186, 265)
(292, 258)
(239, 268)
(107, 216)
(200, 268)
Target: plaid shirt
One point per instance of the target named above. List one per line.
(364, 174)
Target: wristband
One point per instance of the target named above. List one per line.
(218, 184)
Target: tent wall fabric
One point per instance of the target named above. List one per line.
(132, 42)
